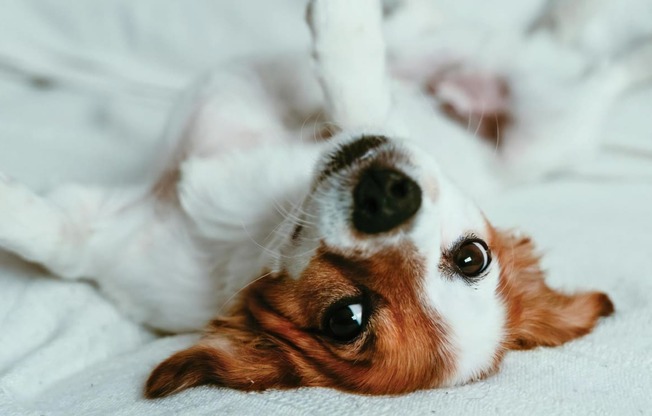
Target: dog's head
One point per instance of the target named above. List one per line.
(388, 280)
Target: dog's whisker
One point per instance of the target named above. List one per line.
(331, 127)
(265, 249)
(498, 134)
(285, 213)
(315, 127)
(237, 292)
(289, 213)
(479, 123)
(303, 126)
(304, 218)
(274, 254)
(299, 209)
(295, 206)
(279, 231)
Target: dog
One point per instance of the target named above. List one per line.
(348, 258)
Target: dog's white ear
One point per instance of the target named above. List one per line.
(349, 50)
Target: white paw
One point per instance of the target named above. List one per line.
(27, 222)
(344, 20)
(349, 48)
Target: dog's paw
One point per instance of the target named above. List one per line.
(349, 50)
(345, 13)
(26, 220)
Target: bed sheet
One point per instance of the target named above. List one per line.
(96, 91)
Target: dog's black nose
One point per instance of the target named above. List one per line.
(384, 199)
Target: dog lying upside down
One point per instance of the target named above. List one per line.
(356, 261)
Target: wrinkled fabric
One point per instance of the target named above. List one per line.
(84, 93)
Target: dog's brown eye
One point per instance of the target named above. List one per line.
(472, 258)
(344, 321)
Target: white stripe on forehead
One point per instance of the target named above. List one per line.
(474, 313)
(474, 316)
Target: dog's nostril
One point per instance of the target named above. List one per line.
(370, 205)
(383, 199)
(399, 190)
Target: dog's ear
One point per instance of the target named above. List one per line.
(195, 366)
(231, 355)
(537, 314)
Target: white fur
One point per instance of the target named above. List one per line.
(247, 164)
(473, 313)
(356, 84)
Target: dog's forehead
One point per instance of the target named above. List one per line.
(391, 267)
(446, 216)
(459, 217)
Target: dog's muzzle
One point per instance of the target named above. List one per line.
(383, 196)
(383, 199)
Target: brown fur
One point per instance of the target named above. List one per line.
(275, 340)
(272, 338)
(538, 315)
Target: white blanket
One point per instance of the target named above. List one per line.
(84, 92)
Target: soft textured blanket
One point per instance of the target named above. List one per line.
(84, 92)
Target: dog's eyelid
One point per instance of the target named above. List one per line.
(449, 268)
(463, 238)
(352, 314)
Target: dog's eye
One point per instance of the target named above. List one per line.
(344, 321)
(472, 258)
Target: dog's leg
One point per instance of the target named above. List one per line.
(133, 245)
(242, 164)
(44, 230)
(349, 49)
(226, 110)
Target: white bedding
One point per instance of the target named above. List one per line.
(84, 92)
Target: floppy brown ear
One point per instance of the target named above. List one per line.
(195, 366)
(230, 355)
(537, 314)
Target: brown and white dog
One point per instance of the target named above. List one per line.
(353, 262)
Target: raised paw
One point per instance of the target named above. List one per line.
(349, 49)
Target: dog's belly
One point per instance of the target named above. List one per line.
(175, 263)
(145, 265)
